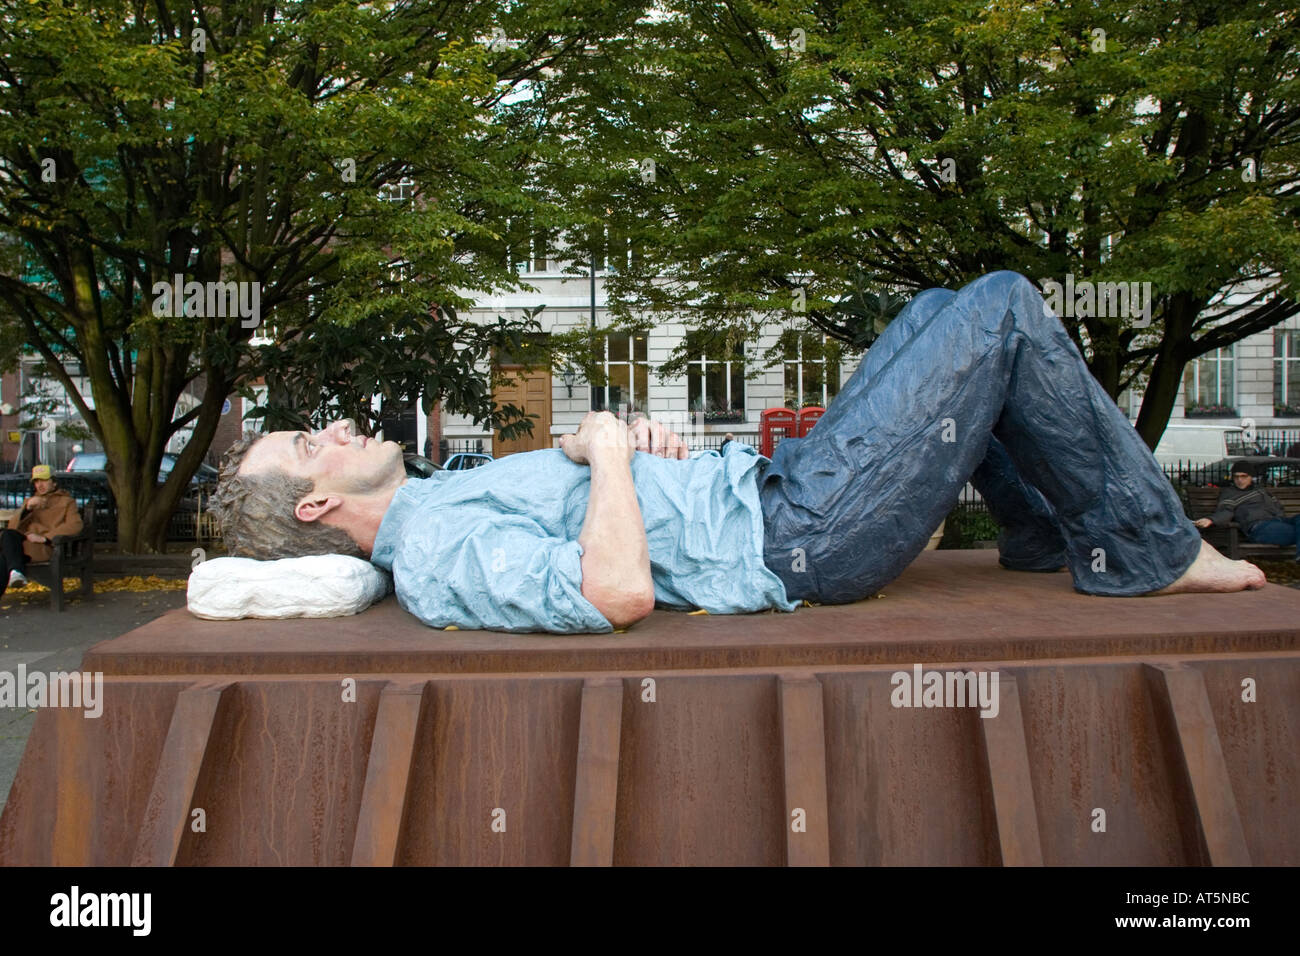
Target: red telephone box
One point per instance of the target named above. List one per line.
(808, 418)
(775, 424)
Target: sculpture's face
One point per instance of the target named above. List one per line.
(335, 459)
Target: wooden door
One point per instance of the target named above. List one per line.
(532, 392)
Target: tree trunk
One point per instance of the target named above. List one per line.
(143, 517)
(1105, 368)
(144, 508)
(1160, 397)
(1167, 371)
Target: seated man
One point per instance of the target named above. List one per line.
(45, 515)
(1262, 518)
(982, 385)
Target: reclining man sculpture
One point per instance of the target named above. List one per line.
(983, 385)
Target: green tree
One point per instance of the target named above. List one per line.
(788, 160)
(251, 143)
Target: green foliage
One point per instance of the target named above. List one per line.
(826, 152)
(964, 526)
(337, 370)
(261, 144)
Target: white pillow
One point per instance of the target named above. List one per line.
(321, 585)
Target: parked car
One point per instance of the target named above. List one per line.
(463, 460)
(1198, 444)
(1269, 470)
(97, 460)
(417, 466)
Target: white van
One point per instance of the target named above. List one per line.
(1198, 444)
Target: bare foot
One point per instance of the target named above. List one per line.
(1212, 572)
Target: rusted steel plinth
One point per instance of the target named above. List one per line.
(1127, 731)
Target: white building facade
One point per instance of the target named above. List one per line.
(1256, 378)
(722, 391)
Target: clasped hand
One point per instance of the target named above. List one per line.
(602, 432)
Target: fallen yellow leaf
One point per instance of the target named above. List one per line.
(134, 583)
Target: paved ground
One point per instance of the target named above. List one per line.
(32, 634)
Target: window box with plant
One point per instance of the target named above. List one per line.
(1197, 410)
(711, 413)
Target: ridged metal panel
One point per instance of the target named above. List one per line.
(496, 761)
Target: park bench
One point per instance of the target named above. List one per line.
(1202, 502)
(73, 553)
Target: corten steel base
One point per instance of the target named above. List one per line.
(770, 739)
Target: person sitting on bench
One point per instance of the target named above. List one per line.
(1262, 518)
(45, 515)
(983, 384)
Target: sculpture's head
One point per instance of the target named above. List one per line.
(289, 494)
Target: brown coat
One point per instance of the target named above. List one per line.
(58, 515)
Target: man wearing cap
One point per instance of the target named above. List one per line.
(1263, 520)
(45, 515)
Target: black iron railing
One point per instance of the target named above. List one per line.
(187, 525)
(184, 525)
(455, 446)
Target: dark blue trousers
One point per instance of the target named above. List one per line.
(12, 557)
(1275, 531)
(981, 385)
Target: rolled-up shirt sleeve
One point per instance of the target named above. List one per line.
(477, 569)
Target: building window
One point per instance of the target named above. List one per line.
(812, 368)
(541, 260)
(1209, 385)
(531, 352)
(715, 378)
(627, 374)
(528, 249)
(401, 191)
(608, 249)
(1286, 372)
(399, 273)
(620, 253)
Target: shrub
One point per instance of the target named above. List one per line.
(965, 525)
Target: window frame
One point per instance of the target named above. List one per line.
(1217, 359)
(800, 336)
(1290, 339)
(705, 354)
(632, 363)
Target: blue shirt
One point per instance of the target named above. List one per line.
(496, 547)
